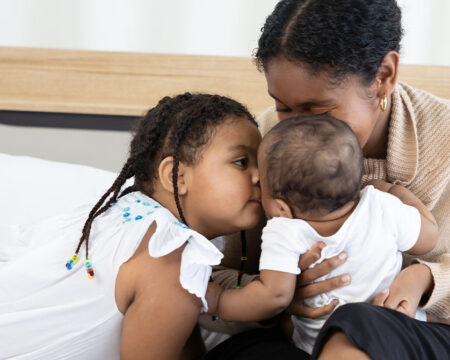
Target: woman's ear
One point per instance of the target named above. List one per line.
(165, 170)
(387, 74)
(283, 209)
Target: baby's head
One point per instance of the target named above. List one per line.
(312, 164)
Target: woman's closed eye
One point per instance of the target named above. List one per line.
(281, 108)
(321, 110)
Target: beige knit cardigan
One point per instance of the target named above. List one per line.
(418, 157)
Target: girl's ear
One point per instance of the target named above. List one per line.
(283, 209)
(165, 175)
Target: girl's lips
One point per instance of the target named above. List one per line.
(256, 201)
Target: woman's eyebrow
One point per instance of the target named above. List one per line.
(307, 103)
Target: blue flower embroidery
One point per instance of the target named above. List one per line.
(135, 211)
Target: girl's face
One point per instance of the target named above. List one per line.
(297, 92)
(223, 194)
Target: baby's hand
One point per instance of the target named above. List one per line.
(406, 291)
(212, 298)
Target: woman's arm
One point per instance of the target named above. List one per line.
(259, 300)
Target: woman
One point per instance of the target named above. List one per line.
(341, 57)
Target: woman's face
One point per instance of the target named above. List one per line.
(297, 92)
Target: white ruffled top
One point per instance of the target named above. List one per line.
(198, 257)
(48, 312)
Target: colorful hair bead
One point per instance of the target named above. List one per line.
(71, 262)
(89, 269)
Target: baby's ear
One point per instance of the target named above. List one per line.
(165, 171)
(283, 209)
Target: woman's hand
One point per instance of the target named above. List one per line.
(407, 290)
(305, 287)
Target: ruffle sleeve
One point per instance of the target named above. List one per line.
(198, 257)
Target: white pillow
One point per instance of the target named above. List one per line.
(32, 189)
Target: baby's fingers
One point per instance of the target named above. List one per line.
(381, 298)
(311, 256)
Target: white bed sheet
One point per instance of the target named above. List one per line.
(32, 189)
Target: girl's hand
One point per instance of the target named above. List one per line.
(305, 287)
(407, 290)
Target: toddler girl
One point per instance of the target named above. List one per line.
(311, 169)
(136, 279)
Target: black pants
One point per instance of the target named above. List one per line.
(386, 334)
(259, 344)
(380, 332)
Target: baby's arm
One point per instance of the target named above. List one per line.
(259, 300)
(428, 230)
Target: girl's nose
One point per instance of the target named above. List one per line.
(255, 176)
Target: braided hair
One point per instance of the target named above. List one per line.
(178, 126)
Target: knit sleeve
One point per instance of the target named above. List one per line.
(439, 301)
(267, 120)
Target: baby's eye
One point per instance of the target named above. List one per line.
(242, 162)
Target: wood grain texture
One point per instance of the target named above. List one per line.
(114, 83)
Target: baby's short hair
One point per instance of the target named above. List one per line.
(313, 162)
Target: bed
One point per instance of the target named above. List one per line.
(93, 90)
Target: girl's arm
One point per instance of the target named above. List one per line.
(259, 300)
(428, 229)
(162, 315)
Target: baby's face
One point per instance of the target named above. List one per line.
(267, 201)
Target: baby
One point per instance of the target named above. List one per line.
(310, 174)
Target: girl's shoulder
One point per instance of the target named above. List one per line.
(168, 238)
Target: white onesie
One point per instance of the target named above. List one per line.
(48, 312)
(373, 236)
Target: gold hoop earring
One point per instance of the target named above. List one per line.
(383, 103)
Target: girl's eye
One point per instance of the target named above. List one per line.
(242, 162)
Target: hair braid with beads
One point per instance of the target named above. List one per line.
(178, 126)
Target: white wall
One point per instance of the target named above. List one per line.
(213, 27)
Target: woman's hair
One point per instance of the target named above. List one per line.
(178, 126)
(313, 162)
(341, 37)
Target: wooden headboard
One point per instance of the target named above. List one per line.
(114, 83)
